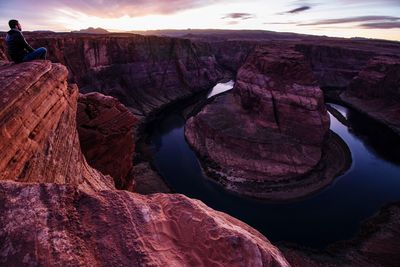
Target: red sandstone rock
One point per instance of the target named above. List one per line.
(106, 129)
(148, 181)
(376, 91)
(58, 211)
(58, 225)
(270, 130)
(38, 137)
(143, 72)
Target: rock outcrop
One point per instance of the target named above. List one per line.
(55, 210)
(269, 132)
(377, 244)
(58, 225)
(106, 133)
(39, 141)
(148, 181)
(144, 73)
(334, 65)
(375, 91)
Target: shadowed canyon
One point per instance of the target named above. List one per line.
(116, 151)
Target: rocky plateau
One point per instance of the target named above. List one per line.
(64, 155)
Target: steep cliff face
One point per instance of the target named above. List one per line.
(270, 131)
(231, 55)
(142, 72)
(106, 133)
(39, 141)
(375, 91)
(55, 210)
(334, 65)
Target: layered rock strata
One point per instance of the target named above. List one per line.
(55, 210)
(334, 65)
(266, 137)
(144, 73)
(375, 91)
(39, 141)
(106, 133)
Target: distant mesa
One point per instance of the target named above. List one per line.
(92, 30)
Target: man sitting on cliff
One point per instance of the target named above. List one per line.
(18, 49)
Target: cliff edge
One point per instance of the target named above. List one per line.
(55, 210)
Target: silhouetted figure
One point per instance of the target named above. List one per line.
(18, 49)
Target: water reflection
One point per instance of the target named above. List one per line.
(331, 215)
(220, 88)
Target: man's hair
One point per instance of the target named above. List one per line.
(13, 23)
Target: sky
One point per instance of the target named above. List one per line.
(341, 18)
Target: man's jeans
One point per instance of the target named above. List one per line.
(39, 53)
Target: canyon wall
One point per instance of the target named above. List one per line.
(106, 134)
(375, 91)
(39, 141)
(142, 72)
(55, 210)
(334, 66)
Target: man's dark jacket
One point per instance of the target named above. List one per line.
(18, 48)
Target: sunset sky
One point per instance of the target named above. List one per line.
(344, 18)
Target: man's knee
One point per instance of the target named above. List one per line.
(42, 50)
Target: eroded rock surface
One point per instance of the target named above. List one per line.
(148, 181)
(38, 138)
(375, 91)
(270, 130)
(106, 133)
(144, 73)
(55, 210)
(58, 225)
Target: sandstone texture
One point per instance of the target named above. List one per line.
(375, 91)
(106, 133)
(147, 181)
(270, 130)
(56, 210)
(144, 73)
(39, 141)
(59, 225)
(335, 65)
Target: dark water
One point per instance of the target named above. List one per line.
(331, 215)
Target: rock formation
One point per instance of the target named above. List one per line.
(144, 73)
(39, 141)
(334, 65)
(106, 129)
(375, 91)
(58, 225)
(377, 244)
(269, 132)
(148, 181)
(55, 210)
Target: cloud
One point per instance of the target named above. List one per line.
(241, 16)
(381, 25)
(298, 10)
(112, 9)
(365, 19)
(376, 2)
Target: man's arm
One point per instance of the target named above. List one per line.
(24, 43)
